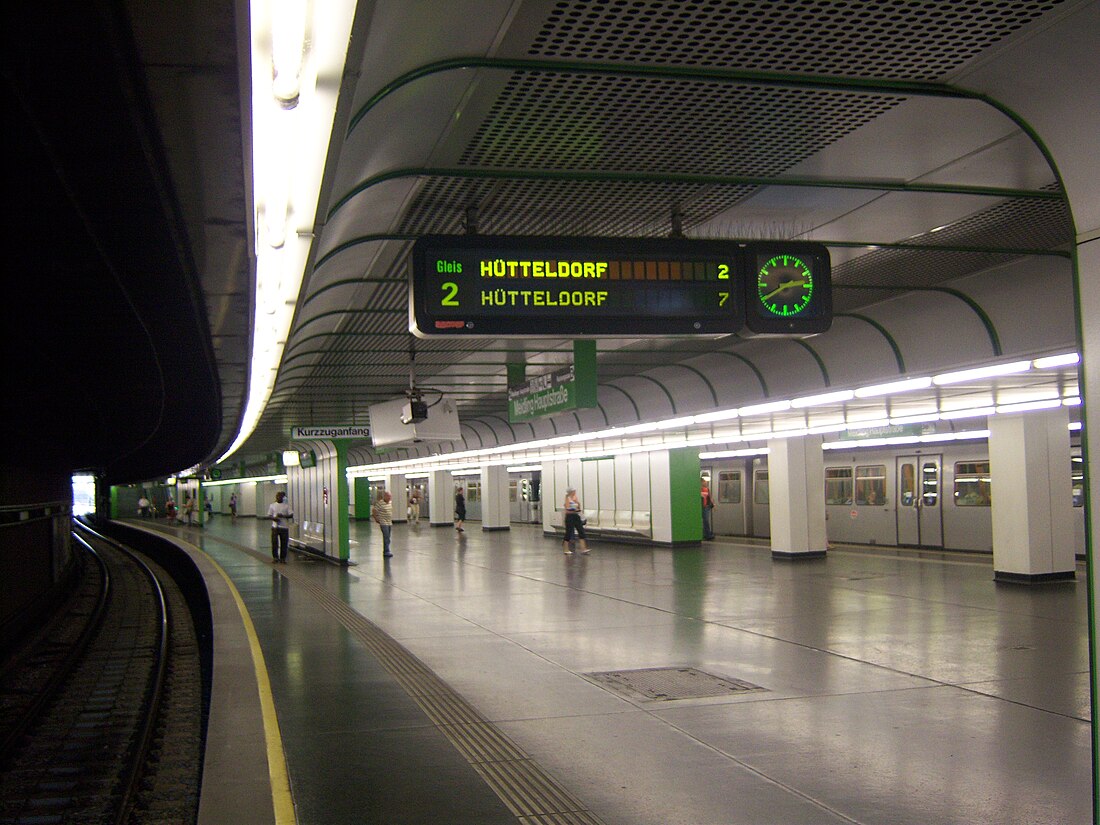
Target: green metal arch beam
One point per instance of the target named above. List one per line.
(470, 427)
(358, 241)
(710, 386)
(755, 369)
(503, 421)
(664, 389)
(975, 307)
(883, 332)
(331, 312)
(629, 397)
(844, 84)
(816, 356)
(588, 176)
(924, 247)
(351, 282)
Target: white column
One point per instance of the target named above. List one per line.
(1029, 461)
(796, 478)
(441, 499)
(495, 509)
(395, 486)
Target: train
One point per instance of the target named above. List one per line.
(930, 498)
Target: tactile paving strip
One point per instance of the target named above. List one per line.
(529, 792)
(662, 684)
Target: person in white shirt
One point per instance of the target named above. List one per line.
(280, 515)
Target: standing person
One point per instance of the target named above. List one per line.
(189, 511)
(574, 523)
(209, 506)
(708, 509)
(143, 506)
(382, 513)
(233, 506)
(280, 515)
(170, 509)
(414, 507)
(460, 509)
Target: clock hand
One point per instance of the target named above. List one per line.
(781, 287)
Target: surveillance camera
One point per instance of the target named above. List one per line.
(414, 412)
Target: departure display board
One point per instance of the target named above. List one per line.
(472, 285)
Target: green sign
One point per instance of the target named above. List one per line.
(569, 388)
(889, 431)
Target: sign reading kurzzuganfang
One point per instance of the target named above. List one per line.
(329, 433)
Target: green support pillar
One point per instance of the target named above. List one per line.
(362, 499)
(683, 489)
(584, 368)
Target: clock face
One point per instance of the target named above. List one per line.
(784, 285)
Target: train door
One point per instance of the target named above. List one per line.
(761, 503)
(920, 503)
(729, 503)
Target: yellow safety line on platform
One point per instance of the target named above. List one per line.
(281, 799)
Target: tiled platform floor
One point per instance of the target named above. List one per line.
(899, 687)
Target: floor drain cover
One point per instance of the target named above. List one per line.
(667, 683)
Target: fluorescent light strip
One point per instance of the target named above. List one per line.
(981, 372)
(1050, 361)
(824, 398)
(275, 479)
(1029, 406)
(733, 454)
(537, 450)
(973, 412)
(894, 387)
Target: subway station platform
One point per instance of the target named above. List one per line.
(487, 678)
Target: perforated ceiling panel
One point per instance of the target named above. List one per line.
(896, 39)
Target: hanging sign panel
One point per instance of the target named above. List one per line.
(575, 287)
(472, 285)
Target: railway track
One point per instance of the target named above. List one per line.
(102, 713)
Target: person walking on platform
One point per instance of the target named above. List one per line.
(280, 515)
(460, 509)
(382, 513)
(574, 523)
(143, 507)
(233, 506)
(414, 507)
(170, 509)
(189, 511)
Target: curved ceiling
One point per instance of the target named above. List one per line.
(735, 120)
(130, 326)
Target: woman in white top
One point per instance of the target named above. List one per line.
(574, 525)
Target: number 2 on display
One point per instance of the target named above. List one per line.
(450, 290)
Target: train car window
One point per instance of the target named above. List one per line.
(761, 492)
(838, 485)
(473, 491)
(972, 484)
(729, 487)
(907, 484)
(871, 485)
(930, 483)
(1077, 473)
(513, 491)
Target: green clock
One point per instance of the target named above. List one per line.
(785, 285)
(788, 289)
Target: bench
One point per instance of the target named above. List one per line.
(309, 536)
(624, 525)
